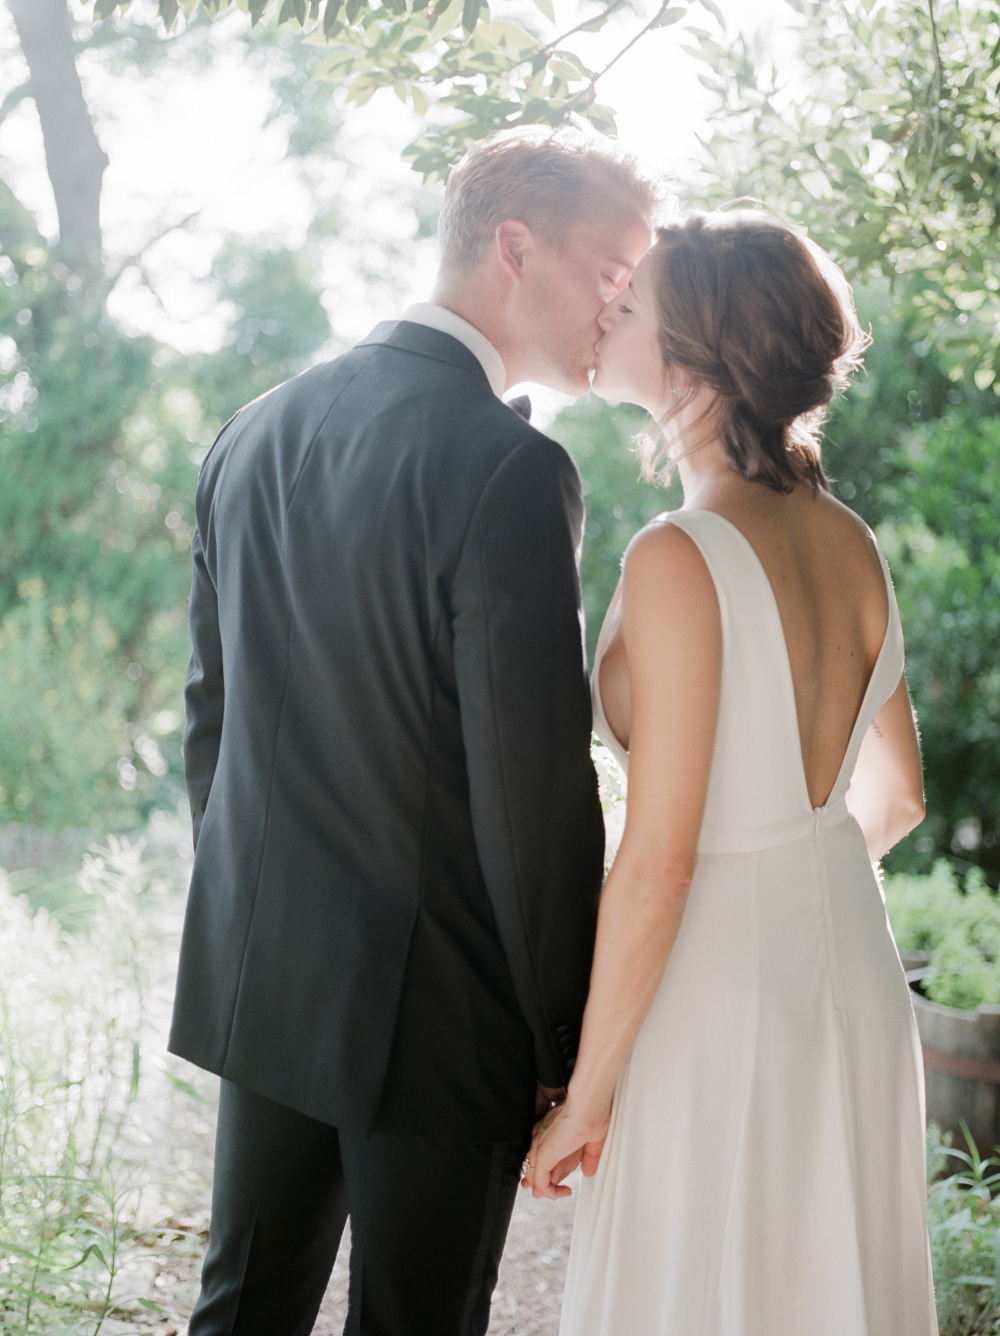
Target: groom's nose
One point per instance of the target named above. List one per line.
(607, 318)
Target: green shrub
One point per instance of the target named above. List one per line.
(959, 928)
(964, 1218)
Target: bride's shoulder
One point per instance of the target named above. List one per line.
(849, 531)
(662, 549)
(667, 587)
(665, 531)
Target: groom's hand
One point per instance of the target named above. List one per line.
(546, 1097)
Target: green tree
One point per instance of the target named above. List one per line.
(101, 434)
(942, 539)
(881, 134)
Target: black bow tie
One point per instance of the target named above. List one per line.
(521, 405)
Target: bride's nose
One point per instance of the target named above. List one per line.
(608, 318)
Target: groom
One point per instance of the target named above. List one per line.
(398, 837)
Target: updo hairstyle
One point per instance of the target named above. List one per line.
(762, 316)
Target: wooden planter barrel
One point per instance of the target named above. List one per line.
(961, 1063)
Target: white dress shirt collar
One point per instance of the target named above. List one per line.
(447, 322)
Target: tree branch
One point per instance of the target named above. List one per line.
(73, 156)
(587, 23)
(629, 45)
(14, 98)
(135, 260)
(936, 133)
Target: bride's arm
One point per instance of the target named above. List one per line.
(886, 796)
(673, 644)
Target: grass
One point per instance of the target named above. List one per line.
(964, 1219)
(81, 1086)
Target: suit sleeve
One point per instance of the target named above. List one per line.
(204, 688)
(525, 707)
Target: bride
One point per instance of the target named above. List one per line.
(747, 1099)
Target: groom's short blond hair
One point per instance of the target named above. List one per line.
(546, 179)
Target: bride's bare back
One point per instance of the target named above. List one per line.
(828, 585)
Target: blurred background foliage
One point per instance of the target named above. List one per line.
(102, 432)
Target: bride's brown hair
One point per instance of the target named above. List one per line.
(761, 315)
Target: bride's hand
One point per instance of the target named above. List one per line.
(566, 1137)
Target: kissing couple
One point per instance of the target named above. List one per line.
(398, 954)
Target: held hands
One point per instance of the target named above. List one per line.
(566, 1137)
(546, 1097)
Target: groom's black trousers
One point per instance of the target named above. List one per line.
(428, 1225)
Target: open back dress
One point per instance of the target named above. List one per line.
(764, 1169)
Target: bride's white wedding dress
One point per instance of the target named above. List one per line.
(764, 1170)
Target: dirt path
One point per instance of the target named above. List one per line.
(525, 1303)
(527, 1298)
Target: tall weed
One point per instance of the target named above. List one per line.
(74, 1018)
(964, 1218)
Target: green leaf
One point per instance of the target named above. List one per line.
(670, 16)
(330, 24)
(516, 38)
(185, 1087)
(470, 14)
(715, 12)
(546, 8)
(338, 64)
(168, 10)
(564, 70)
(92, 1249)
(878, 99)
(571, 58)
(257, 8)
(103, 9)
(292, 9)
(818, 184)
(420, 102)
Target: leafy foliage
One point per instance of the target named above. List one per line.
(963, 1211)
(883, 139)
(943, 544)
(278, 322)
(454, 53)
(957, 925)
(101, 434)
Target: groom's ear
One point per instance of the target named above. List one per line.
(513, 241)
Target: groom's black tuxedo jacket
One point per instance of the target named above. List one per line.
(399, 842)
